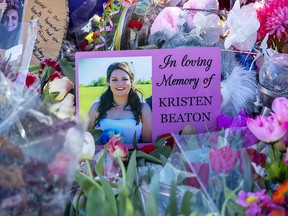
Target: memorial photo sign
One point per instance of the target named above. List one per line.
(185, 84)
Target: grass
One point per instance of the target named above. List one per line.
(87, 95)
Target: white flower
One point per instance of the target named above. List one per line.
(64, 109)
(61, 86)
(243, 24)
(207, 27)
(88, 149)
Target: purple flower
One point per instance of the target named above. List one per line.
(224, 121)
(254, 202)
(248, 137)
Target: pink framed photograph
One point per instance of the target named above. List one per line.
(147, 93)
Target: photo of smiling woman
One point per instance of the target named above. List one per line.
(120, 106)
(10, 28)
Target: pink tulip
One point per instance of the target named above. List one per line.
(280, 108)
(223, 160)
(117, 149)
(267, 128)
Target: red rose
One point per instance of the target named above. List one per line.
(56, 74)
(134, 24)
(148, 148)
(31, 78)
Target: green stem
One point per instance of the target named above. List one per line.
(77, 202)
(227, 199)
(88, 168)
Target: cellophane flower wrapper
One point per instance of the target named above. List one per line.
(38, 155)
(196, 162)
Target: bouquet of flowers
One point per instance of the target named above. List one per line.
(38, 155)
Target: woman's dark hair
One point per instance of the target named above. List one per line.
(106, 99)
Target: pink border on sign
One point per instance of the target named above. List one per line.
(185, 86)
(114, 56)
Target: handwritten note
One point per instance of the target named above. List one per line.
(53, 22)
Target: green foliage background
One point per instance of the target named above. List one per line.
(87, 95)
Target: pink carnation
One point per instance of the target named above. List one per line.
(272, 16)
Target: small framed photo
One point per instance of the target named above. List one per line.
(115, 94)
(11, 16)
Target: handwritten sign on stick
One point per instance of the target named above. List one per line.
(53, 17)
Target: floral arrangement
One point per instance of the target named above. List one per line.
(39, 155)
(55, 80)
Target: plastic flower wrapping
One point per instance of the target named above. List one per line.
(212, 167)
(39, 154)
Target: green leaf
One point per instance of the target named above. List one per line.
(172, 208)
(135, 146)
(96, 204)
(153, 196)
(100, 165)
(67, 69)
(131, 170)
(34, 68)
(186, 203)
(85, 182)
(161, 142)
(46, 73)
(164, 150)
(163, 159)
(110, 197)
(140, 154)
(96, 134)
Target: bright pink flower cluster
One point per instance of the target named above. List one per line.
(273, 17)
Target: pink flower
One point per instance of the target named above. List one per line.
(128, 3)
(255, 202)
(167, 20)
(223, 160)
(267, 128)
(271, 15)
(276, 21)
(117, 149)
(202, 171)
(60, 164)
(280, 108)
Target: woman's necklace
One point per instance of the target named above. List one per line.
(124, 106)
(119, 106)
